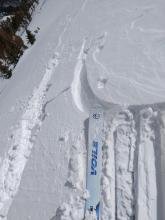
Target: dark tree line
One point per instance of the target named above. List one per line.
(11, 45)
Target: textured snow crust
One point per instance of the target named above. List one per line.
(88, 53)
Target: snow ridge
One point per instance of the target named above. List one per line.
(76, 84)
(83, 96)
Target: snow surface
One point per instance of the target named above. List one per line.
(88, 53)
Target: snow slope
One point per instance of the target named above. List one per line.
(88, 53)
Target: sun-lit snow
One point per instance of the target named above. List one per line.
(88, 53)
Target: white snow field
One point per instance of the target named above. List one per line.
(88, 53)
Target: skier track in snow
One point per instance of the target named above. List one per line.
(13, 165)
(129, 179)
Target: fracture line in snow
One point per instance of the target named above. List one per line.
(76, 84)
(82, 93)
(146, 180)
(12, 167)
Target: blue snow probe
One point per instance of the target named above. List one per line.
(94, 163)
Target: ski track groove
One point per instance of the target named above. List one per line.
(146, 182)
(73, 209)
(125, 128)
(13, 164)
(125, 137)
(108, 175)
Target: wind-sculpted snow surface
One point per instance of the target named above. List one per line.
(108, 54)
(129, 183)
(82, 93)
(76, 86)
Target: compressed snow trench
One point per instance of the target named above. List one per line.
(146, 180)
(125, 137)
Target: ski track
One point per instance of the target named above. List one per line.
(161, 205)
(120, 177)
(12, 166)
(119, 173)
(146, 181)
(73, 209)
(108, 175)
(125, 137)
